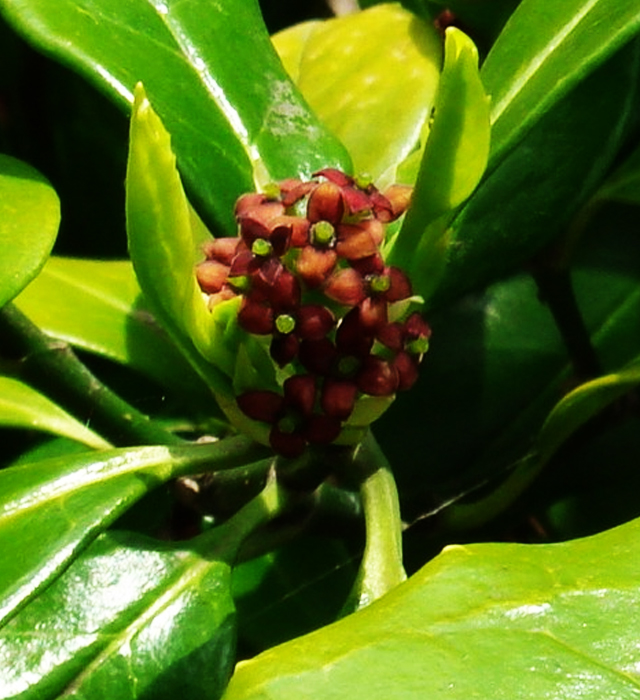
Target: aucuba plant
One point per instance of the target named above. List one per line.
(380, 299)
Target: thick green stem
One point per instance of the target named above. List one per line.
(381, 568)
(271, 502)
(51, 366)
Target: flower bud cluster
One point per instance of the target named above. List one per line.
(313, 283)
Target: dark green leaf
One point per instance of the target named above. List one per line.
(498, 365)
(544, 51)
(624, 183)
(291, 591)
(96, 306)
(537, 187)
(24, 407)
(49, 510)
(29, 218)
(485, 621)
(211, 72)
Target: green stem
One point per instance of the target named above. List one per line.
(270, 503)
(51, 366)
(381, 568)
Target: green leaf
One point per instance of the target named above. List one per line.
(453, 162)
(577, 407)
(96, 306)
(546, 48)
(212, 73)
(483, 620)
(163, 236)
(305, 583)
(131, 616)
(624, 184)
(24, 407)
(497, 362)
(531, 196)
(371, 77)
(29, 218)
(50, 510)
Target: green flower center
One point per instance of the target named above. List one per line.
(323, 233)
(285, 323)
(380, 284)
(261, 247)
(348, 366)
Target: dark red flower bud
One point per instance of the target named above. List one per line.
(407, 368)
(336, 176)
(223, 250)
(287, 444)
(300, 393)
(399, 285)
(355, 242)
(351, 336)
(263, 406)
(314, 322)
(317, 356)
(315, 265)
(346, 287)
(377, 377)
(392, 335)
(356, 200)
(322, 430)
(338, 398)
(373, 314)
(211, 276)
(284, 348)
(399, 197)
(255, 317)
(325, 204)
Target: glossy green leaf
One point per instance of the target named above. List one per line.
(485, 621)
(213, 75)
(134, 617)
(130, 618)
(544, 51)
(580, 405)
(96, 306)
(531, 196)
(454, 160)
(49, 510)
(305, 583)
(624, 184)
(29, 218)
(24, 407)
(497, 363)
(371, 77)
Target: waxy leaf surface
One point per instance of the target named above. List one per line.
(50, 510)
(484, 621)
(130, 618)
(542, 53)
(211, 72)
(371, 77)
(29, 218)
(452, 164)
(96, 305)
(24, 407)
(529, 196)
